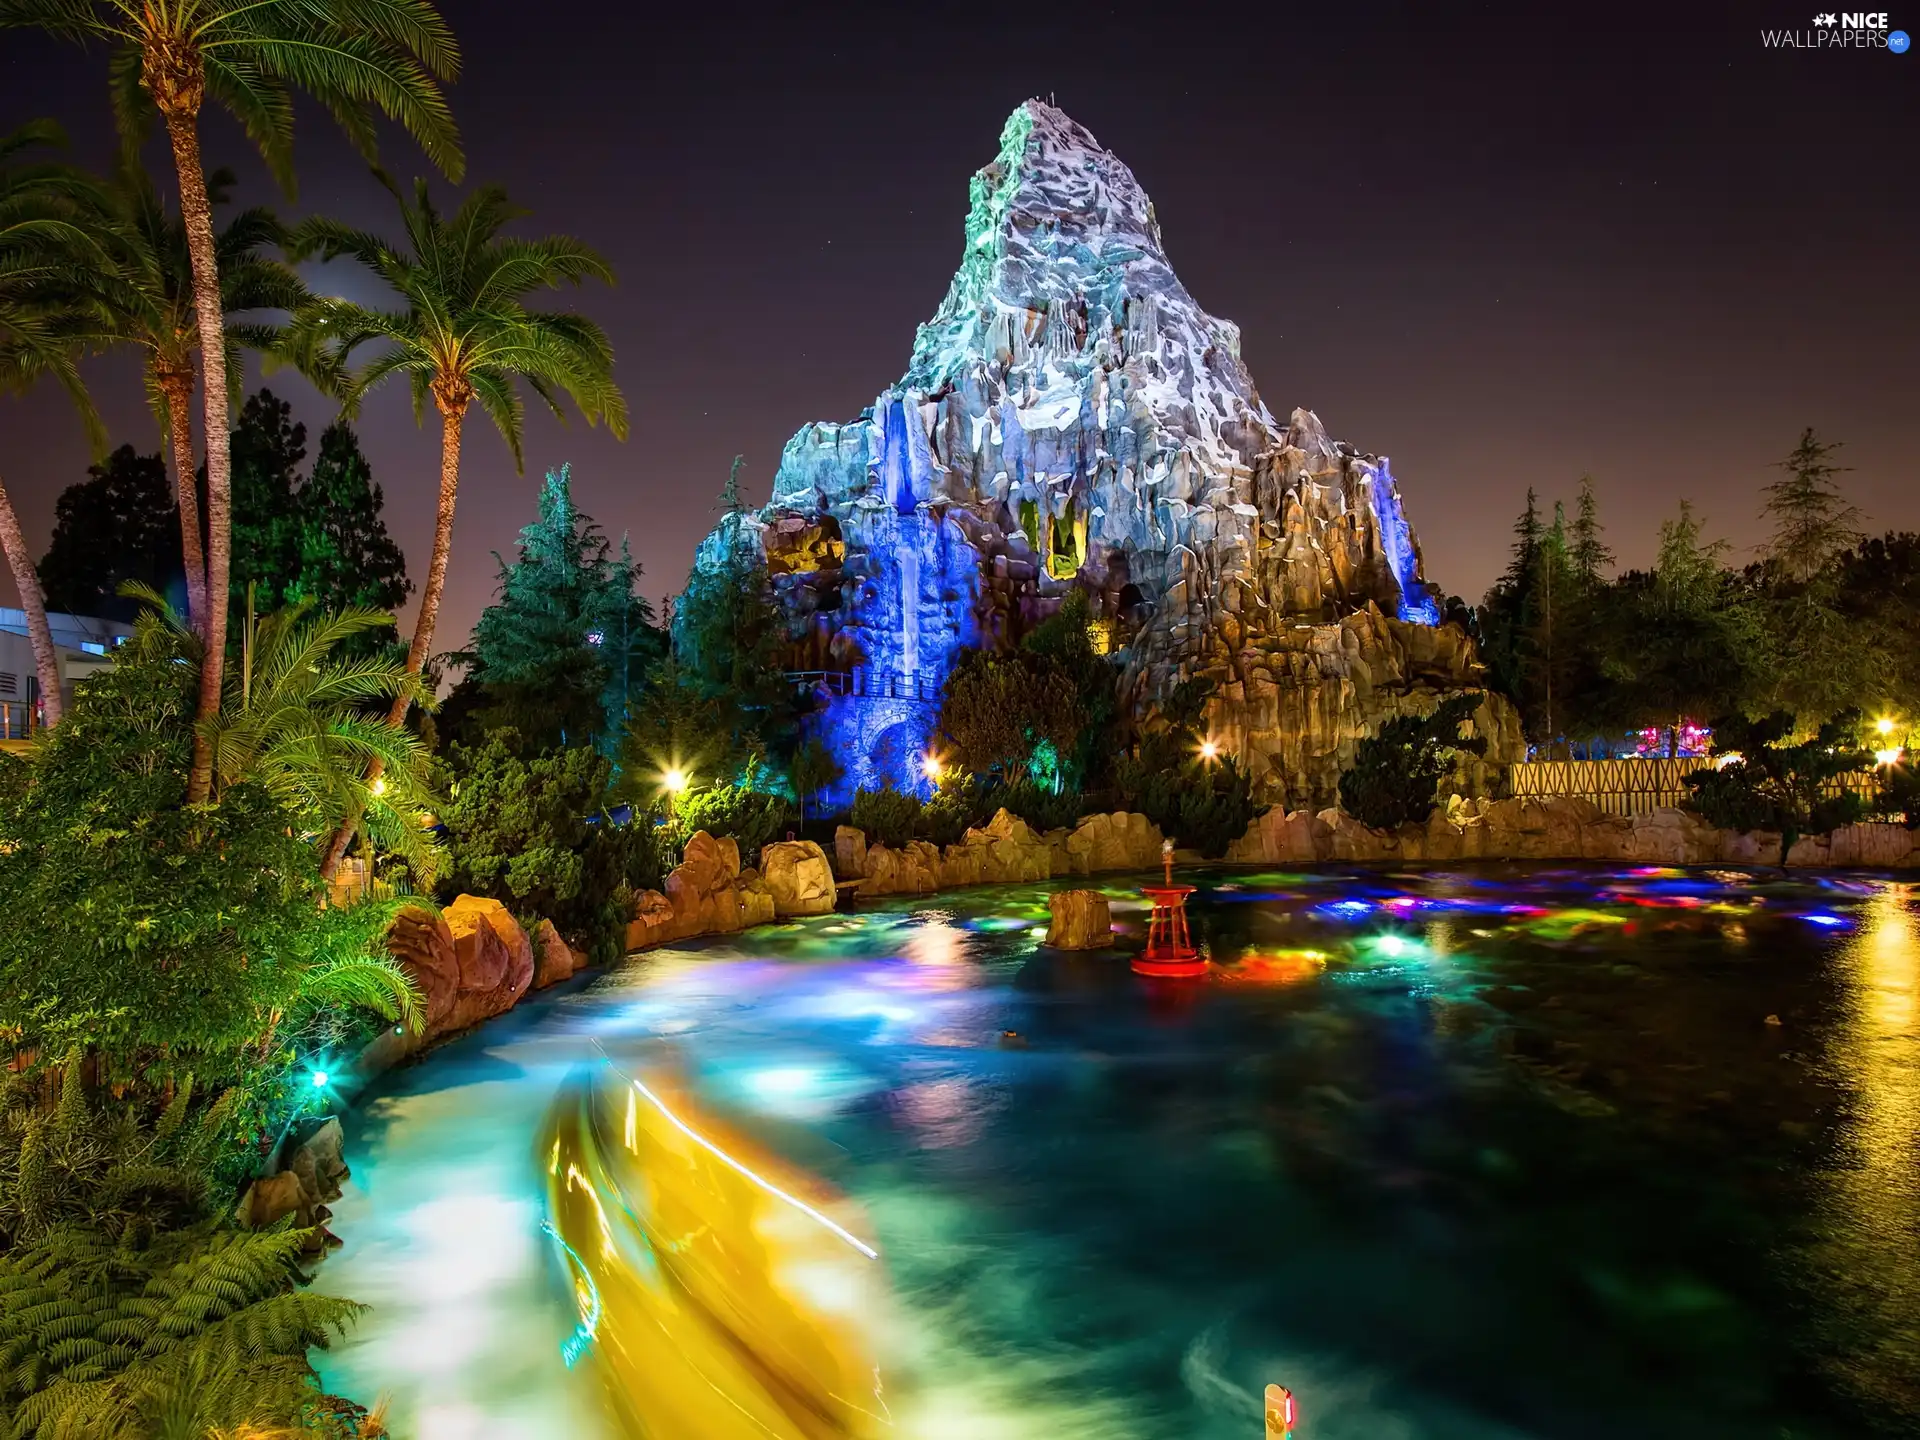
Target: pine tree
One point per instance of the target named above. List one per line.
(1589, 552)
(346, 559)
(1812, 521)
(267, 448)
(1526, 543)
(119, 525)
(569, 636)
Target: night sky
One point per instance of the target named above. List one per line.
(1629, 242)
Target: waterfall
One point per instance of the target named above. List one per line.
(1416, 604)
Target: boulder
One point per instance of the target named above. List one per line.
(653, 923)
(274, 1197)
(553, 958)
(912, 870)
(701, 889)
(959, 865)
(723, 854)
(316, 1158)
(756, 900)
(849, 852)
(1881, 846)
(495, 959)
(423, 945)
(1080, 920)
(799, 877)
(1010, 851)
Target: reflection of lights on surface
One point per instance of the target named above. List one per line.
(1826, 921)
(774, 1190)
(784, 1080)
(1350, 907)
(1889, 756)
(1392, 945)
(586, 1298)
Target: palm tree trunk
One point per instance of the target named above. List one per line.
(451, 417)
(46, 660)
(197, 214)
(178, 388)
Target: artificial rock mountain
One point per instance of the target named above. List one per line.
(1072, 418)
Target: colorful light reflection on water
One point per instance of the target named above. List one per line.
(1494, 1153)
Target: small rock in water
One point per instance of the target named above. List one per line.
(1012, 1040)
(1773, 1019)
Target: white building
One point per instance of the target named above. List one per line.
(83, 645)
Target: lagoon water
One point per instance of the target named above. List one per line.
(1505, 1152)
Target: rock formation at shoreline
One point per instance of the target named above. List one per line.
(1071, 418)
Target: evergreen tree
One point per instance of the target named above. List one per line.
(267, 448)
(1812, 521)
(1507, 611)
(568, 638)
(346, 557)
(1589, 552)
(729, 634)
(1688, 644)
(117, 526)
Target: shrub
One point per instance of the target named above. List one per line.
(999, 709)
(1039, 805)
(887, 816)
(962, 803)
(161, 940)
(752, 817)
(1397, 772)
(533, 832)
(1900, 792)
(1205, 806)
(1766, 781)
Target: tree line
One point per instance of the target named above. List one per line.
(1823, 620)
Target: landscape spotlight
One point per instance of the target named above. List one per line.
(675, 780)
(931, 767)
(1888, 757)
(1884, 725)
(320, 1079)
(1209, 750)
(379, 786)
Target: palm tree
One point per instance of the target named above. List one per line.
(47, 214)
(294, 721)
(146, 300)
(461, 335)
(354, 56)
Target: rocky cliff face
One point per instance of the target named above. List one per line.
(1072, 417)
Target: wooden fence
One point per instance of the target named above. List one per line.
(1637, 784)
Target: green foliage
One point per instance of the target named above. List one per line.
(1064, 643)
(1000, 708)
(1039, 804)
(752, 815)
(1812, 521)
(1397, 772)
(461, 332)
(729, 635)
(346, 560)
(812, 769)
(963, 802)
(318, 539)
(1203, 805)
(567, 639)
(1900, 791)
(160, 938)
(888, 816)
(118, 526)
(679, 723)
(1769, 781)
(200, 1328)
(532, 831)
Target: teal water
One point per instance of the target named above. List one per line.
(1499, 1153)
